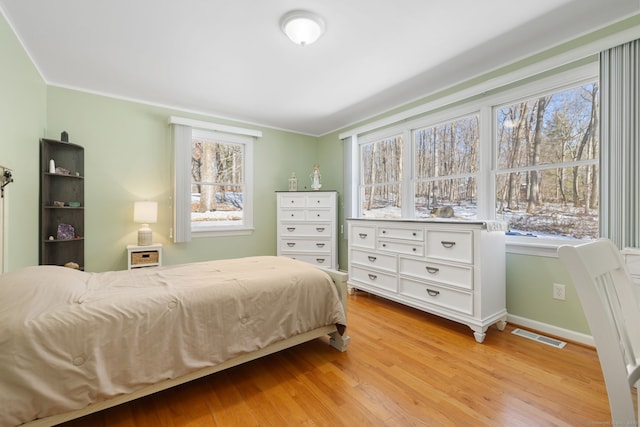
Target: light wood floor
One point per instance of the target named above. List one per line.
(403, 368)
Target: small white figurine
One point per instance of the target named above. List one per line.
(315, 178)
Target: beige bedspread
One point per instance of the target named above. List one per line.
(69, 338)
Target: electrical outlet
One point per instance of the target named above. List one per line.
(559, 291)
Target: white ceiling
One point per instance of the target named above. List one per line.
(229, 58)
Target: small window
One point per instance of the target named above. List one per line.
(217, 182)
(547, 164)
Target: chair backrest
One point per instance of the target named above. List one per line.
(610, 305)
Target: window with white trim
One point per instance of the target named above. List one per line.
(547, 163)
(219, 184)
(527, 155)
(213, 179)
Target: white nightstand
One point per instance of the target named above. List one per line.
(144, 256)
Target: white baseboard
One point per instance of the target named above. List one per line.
(552, 330)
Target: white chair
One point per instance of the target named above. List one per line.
(609, 302)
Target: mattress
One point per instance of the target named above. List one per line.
(69, 338)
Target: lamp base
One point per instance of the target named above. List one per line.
(145, 235)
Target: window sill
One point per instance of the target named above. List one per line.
(239, 231)
(538, 246)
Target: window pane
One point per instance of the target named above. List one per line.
(549, 129)
(216, 183)
(447, 149)
(565, 203)
(381, 201)
(381, 161)
(447, 198)
(214, 205)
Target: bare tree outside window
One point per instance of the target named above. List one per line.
(381, 177)
(547, 164)
(446, 165)
(217, 182)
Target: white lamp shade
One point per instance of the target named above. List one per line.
(302, 27)
(145, 212)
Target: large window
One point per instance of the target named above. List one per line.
(547, 163)
(527, 155)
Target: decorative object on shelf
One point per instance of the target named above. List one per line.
(315, 177)
(145, 213)
(64, 136)
(302, 27)
(58, 204)
(62, 171)
(293, 182)
(65, 232)
(52, 166)
(73, 265)
(74, 204)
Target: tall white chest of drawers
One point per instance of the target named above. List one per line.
(307, 226)
(453, 269)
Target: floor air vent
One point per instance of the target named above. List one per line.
(540, 338)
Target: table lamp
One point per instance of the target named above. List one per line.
(145, 213)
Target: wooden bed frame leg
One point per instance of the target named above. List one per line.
(339, 342)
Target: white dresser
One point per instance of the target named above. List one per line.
(453, 269)
(308, 226)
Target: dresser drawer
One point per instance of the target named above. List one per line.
(401, 233)
(374, 278)
(301, 229)
(320, 201)
(450, 245)
(292, 201)
(376, 260)
(302, 245)
(363, 237)
(320, 260)
(409, 248)
(455, 275)
(293, 215)
(433, 294)
(319, 215)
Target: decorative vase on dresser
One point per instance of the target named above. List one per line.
(450, 268)
(307, 226)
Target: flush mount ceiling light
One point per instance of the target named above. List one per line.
(302, 27)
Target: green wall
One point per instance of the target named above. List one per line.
(22, 123)
(128, 157)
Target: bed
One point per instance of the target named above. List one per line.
(73, 342)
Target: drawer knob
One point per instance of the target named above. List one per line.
(414, 249)
(432, 293)
(414, 233)
(291, 229)
(291, 244)
(384, 231)
(432, 270)
(384, 245)
(372, 258)
(292, 215)
(319, 229)
(318, 215)
(372, 276)
(319, 260)
(363, 235)
(448, 244)
(320, 245)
